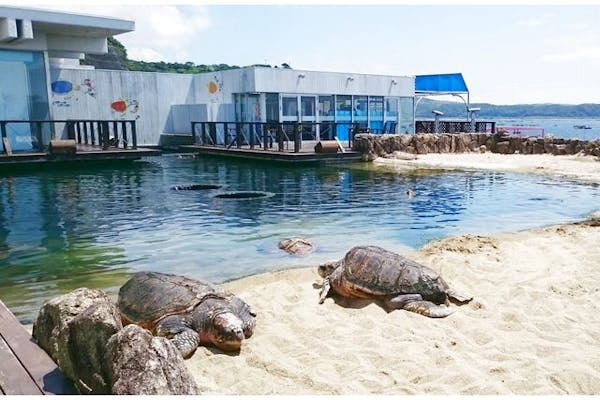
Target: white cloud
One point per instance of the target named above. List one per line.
(580, 54)
(536, 22)
(162, 32)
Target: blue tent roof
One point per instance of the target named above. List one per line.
(441, 83)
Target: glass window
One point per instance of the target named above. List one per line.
(254, 111)
(343, 108)
(406, 115)
(360, 108)
(391, 107)
(376, 114)
(289, 106)
(325, 106)
(272, 107)
(307, 104)
(23, 96)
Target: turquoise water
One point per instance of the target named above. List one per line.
(558, 127)
(93, 227)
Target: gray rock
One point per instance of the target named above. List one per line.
(138, 363)
(74, 329)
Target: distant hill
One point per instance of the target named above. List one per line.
(458, 110)
(117, 59)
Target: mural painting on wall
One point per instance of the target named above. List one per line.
(126, 107)
(66, 92)
(214, 86)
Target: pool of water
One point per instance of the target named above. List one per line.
(68, 228)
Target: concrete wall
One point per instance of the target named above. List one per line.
(167, 103)
(311, 82)
(147, 97)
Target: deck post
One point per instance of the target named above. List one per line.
(104, 134)
(116, 133)
(4, 137)
(133, 135)
(238, 135)
(38, 135)
(126, 140)
(280, 137)
(297, 138)
(252, 133)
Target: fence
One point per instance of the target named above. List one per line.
(277, 136)
(454, 126)
(101, 133)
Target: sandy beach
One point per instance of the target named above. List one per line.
(532, 328)
(576, 167)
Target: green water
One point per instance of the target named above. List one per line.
(92, 226)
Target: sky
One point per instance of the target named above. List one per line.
(508, 54)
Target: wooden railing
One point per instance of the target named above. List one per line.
(111, 133)
(427, 126)
(101, 133)
(278, 136)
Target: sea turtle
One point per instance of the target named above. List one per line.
(296, 245)
(370, 272)
(190, 312)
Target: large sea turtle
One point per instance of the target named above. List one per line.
(190, 312)
(370, 272)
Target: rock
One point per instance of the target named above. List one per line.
(400, 155)
(138, 363)
(503, 147)
(74, 329)
(482, 148)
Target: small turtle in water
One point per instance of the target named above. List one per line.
(370, 272)
(297, 246)
(190, 312)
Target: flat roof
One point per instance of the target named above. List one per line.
(71, 24)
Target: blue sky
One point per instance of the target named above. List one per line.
(507, 54)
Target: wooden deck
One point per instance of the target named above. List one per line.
(306, 155)
(26, 368)
(84, 153)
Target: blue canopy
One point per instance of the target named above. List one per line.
(440, 84)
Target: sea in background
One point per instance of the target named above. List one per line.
(558, 127)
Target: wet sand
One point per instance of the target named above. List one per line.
(532, 328)
(583, 168)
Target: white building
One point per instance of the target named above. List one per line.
(41, 79)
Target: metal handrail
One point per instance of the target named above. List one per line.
(102, 133)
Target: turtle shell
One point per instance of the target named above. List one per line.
(378, 272)
(148, 297)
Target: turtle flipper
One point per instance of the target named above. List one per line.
(183, 337)
(428, 309)
(458, 297)
(324, 290)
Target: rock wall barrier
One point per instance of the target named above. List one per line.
(372, 146)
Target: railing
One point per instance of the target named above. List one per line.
(286, 136)
(101, 133)
(426, 126)
(111, 133)
(283, 135)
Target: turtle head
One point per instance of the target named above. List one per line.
(327, 269)
(227, 331)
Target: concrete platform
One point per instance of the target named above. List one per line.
(84, 153)
(304, 156)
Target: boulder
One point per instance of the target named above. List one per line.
(74, 329)
(503, 147)
(138, 363)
